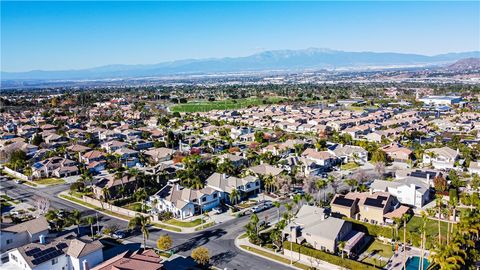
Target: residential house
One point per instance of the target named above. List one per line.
(349, 153)
(54, 167)
(22, 233)
(474, 167)
(397, 153)
(62, 253)
(325, 159)
(246, 186)
(184, 202)
(313, 226)
(365, 206)
(113, 145)
(139, 259)
(116, 187)
(93, 155)
(236, 160)
(157, 155)
(412, 191)
(441, 158)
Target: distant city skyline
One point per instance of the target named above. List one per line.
(77, 35)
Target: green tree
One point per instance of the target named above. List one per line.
(201, 256)
(141, 222)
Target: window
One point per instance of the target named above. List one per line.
(204, 199)
(54, 261)
(257, 184)
(215, 195)
(9, 241)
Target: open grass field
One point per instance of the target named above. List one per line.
(50, 181)
(187, 224)
(204, 106)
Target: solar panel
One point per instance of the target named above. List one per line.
(62, 246)
(343, 201)
(32, 251)
(374, 202)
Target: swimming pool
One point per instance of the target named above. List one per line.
(413, 262)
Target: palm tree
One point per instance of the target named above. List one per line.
(234, 196)
(76, 219)
(90, 221)
(297, 199)
(341, 246)
(141, 222)
(448, 256)
(424, 236)
(439, 211)
(352, 183)
(405, 217)
(269, 182)
(321, 185)
(277, 205)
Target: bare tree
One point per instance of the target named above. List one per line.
(380, 169)
(42, 204)
(360, 176)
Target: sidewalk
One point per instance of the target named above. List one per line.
(298, 258)
(159, 224)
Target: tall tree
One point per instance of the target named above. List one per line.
(141, 222)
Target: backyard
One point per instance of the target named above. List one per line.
(376, 250)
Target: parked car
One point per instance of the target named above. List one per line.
(18, 181)
(217, 210)
(119, 234)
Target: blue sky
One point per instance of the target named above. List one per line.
(73, 35)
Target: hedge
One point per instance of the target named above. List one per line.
(333, 259)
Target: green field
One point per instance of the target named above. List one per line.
(50, 181)
(204, 106)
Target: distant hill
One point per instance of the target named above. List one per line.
(288, 60)
(466, 64)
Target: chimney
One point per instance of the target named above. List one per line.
(42, 239)
(177, 187)
(224, 176)
(85, 265)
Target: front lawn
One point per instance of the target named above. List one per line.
(186, 224)
(49, 181)
(273, 257)
(349, 166)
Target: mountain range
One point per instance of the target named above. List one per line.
(279, 60)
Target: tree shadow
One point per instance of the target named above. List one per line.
(200, 240)
(222, 257)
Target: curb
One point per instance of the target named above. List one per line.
(126, 220)
(264, 257)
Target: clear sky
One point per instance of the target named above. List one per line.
(73, 35)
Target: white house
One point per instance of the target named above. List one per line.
(22, 233)
(349, 153)
(183, 202)
(62, 253)
(224, 184)
(412, 191)
(441, 158)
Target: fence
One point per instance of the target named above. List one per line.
(113, 208)
(16, 174)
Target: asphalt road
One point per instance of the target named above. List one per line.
(218, 239)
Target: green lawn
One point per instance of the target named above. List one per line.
(349, 166)
(381, 249)
(228, 104)
(186, 224)
(50, 181)
(201, 227)
(324, 256)
(376, 247)
(166, 227)
(273, 257)
(413, 228)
